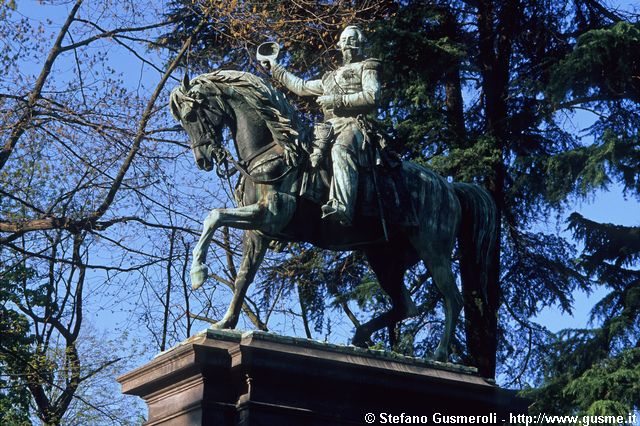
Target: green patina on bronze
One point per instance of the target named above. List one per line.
(274, 159)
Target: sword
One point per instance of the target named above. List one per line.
(374, 173)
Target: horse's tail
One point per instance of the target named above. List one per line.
(477, 237)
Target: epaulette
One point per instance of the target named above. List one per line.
(372, 64)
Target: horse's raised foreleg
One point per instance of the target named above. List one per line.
(242, 217)
(270, 214)
(253, 252)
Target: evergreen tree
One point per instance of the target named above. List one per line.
(603, 70)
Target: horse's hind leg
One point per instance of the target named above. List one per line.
(253, 252)
(390, 272)
(439, 265)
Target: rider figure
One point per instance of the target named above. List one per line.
(343, 94)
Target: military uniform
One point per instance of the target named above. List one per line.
(355, 89)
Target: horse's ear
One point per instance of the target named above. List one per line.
(185, 82)
(173, 104)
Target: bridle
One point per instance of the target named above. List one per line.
(222, 155)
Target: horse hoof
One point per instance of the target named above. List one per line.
(199, 274)
(220, 325)
(441, 355)
(360, 341)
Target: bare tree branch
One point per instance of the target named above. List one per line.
(23, 122)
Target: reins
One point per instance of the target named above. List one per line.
(243, 171)
(223, 155)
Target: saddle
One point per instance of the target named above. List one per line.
(382, 190)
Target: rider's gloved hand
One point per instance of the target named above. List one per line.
(290, 156)
(327, 101)
(316, 158)
(268, 65)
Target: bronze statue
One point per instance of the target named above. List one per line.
(345, 93)
(273, 159)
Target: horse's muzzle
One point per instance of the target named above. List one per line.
(202, 155)
(204, 164)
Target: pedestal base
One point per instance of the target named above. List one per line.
(256, 378)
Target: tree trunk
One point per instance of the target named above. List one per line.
(453, 86)
(496, 28)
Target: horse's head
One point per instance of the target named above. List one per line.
(200, 112)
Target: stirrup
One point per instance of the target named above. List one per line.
(339, 210)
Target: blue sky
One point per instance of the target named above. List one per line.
(608, 206)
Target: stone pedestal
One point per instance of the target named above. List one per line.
(256, 378)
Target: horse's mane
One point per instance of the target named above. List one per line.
(271, 104)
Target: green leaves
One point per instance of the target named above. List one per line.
(581, 171)
(470, 164)
(605, 64)
(606, 242)
(16, 340)
(611, 387)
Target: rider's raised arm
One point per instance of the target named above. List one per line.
(370, 94)
(297, 85)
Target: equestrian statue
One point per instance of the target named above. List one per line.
(337, 187)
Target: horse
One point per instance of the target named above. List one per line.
(267, 134)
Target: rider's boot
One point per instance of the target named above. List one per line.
(335, 207)
(344, 185)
